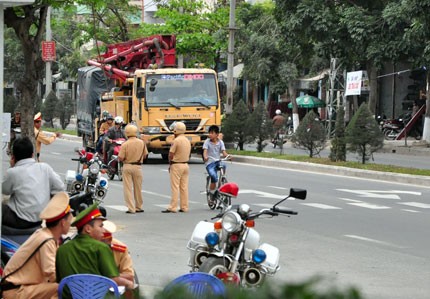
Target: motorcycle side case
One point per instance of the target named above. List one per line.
(272, 258)
(70, 178)
(198, 237)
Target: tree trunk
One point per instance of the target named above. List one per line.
(292, 95)
(373, 85)
(30, 30)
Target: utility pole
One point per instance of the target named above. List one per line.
(230, 58)
(48, 71)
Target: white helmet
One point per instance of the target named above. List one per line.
(119, 120)
(278, 112)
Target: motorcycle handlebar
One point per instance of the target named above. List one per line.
(76, 159)
(283, 210)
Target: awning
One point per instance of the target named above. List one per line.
(237, 72)
(318, 77)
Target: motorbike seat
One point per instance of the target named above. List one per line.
(10, 231)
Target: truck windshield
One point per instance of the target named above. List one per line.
(181, 90)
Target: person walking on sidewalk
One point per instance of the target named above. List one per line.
(132, 154)
(179, 155)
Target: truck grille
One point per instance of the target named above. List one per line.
(191, 124)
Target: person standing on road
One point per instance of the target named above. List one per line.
(30, 186)
(30, 273)
(132, 153)
(213, 147)
(86, 253)
(40, 136)
(179, 155)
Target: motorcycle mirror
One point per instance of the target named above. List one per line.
(298, 193)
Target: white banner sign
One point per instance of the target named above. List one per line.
(353, 83)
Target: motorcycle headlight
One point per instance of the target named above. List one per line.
(231, 222)
(259, 256)
(212, 239)
(94, 168)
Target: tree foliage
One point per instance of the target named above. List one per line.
(310, 135)
(260, 125)
(363, 134)
(49, 108)
(200, 32)
(338, 143)
(235, 125)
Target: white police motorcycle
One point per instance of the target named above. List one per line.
(231, 249)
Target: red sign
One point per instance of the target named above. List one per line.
(48, 51)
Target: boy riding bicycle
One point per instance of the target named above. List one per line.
(213, 147)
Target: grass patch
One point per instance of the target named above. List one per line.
(69, 132)
(327, 161)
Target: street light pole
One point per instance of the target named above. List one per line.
(48, 71)
(230, 58)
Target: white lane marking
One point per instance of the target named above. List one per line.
(321, 206)
(373, 241)
(276, 187)
(162, 206)
(156, 194)
(411, 211)
(348, 199)
(416, 204)
(368, 205)
(118, 208)
(371, 193)
(262, 194)
(55, 153)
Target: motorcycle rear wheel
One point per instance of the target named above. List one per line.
(214, 266)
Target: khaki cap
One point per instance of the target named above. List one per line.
(57, 208)
(38, 116)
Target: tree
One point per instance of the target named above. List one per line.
(338, 143)
(235, 127)
(64, 110)
(200, 32)
(310, 135)
(363, 135)
(49, 108)
(260, 125)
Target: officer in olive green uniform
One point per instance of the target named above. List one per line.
(179, 155)
(86, 253)
(30, 273)
(132, 154)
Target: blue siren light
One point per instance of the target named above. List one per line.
(103, 183)
(259, 256)
(79, 177)
(212, 239)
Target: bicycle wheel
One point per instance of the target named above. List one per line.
(209, 197)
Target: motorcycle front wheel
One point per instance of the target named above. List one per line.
(214, 266)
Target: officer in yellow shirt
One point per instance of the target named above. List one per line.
(179, 155)
(40, 136)
(132, 154)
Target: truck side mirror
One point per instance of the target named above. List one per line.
(140, 92)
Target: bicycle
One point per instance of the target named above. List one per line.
(218, 199)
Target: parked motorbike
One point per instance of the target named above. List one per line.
(392, 127)
(86, 185)
(114, 165)
(230, 248)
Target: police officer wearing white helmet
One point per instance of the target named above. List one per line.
(116, 132)
(132, 154)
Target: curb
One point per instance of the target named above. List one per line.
(335, 170)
